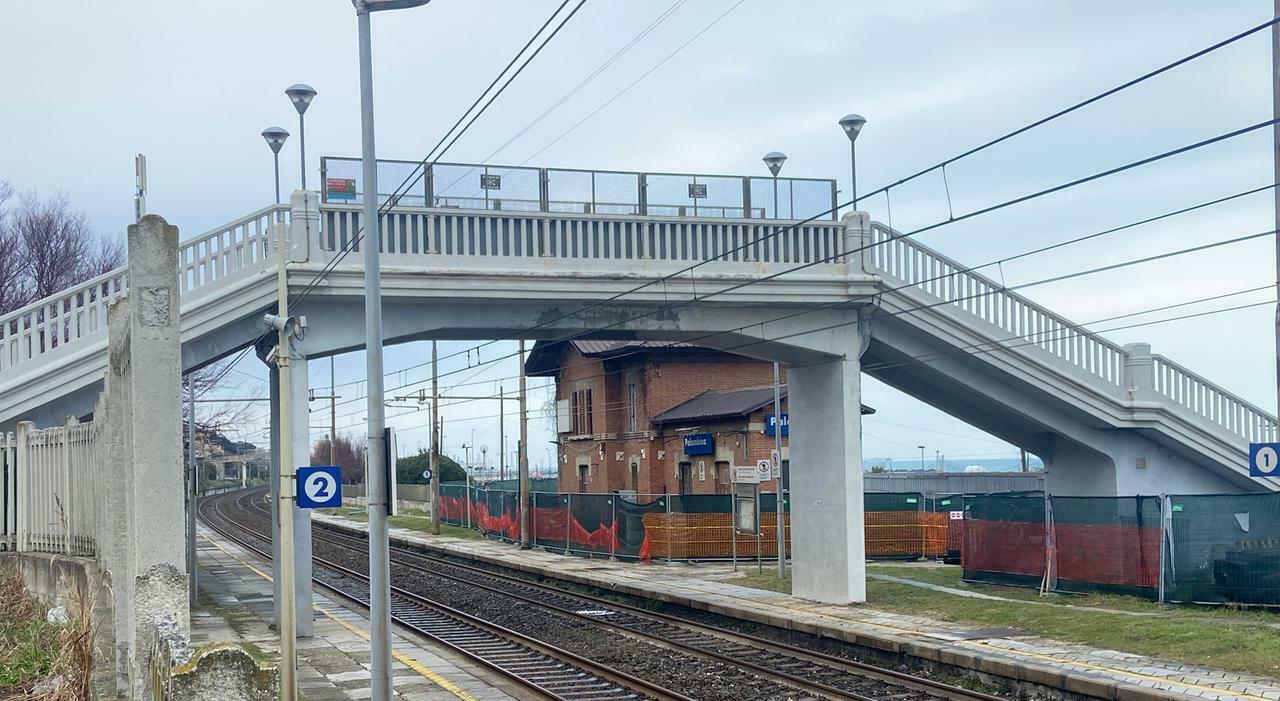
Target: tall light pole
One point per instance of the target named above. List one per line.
(852, 124)
(276, 137)
(379, 554)
(301, 95)
(774, 160)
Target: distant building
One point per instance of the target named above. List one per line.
(656, 417)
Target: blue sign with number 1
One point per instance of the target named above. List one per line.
(319, 487)
(1264, 460)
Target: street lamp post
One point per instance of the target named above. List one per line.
(852, 124)
(774, 160)
(276, 137)
(301, 95)
(379, 554)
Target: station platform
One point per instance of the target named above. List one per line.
(333, 665)
(1010, 654)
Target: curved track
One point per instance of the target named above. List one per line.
(813, 674)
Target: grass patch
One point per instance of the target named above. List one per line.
(412, 519)
(1231, 640)
(32, 651)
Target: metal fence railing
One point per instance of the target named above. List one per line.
(573, 191)
(49, 477)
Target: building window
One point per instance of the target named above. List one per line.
(581, 409)
(722, 477)
(584, 478)
(686, 478)
(635, 478)
(632, 418)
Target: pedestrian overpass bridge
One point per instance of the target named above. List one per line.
(830, 298)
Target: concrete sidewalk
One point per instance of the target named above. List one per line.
(333, 665)
(1010, 654)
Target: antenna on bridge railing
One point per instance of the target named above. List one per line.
(140, 191)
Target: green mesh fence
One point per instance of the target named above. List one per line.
(1108, 544)
(893, 501)
(953, 506)
(1004, 538)
(1223, 549)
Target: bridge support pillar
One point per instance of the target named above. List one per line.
(302, 590)
(827, 548)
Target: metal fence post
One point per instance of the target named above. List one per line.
(670, 543)
(64, 497)
(568, 516)
(429, 186)
(1166, 540)
(613, 525)
(544, 190)
(22, 510)
(746, 197)
(643, 195)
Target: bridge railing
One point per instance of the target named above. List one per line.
(568, 190)
(1210, 401)
(50, 476)
(448, 232)
(914, 264)
(81, 311)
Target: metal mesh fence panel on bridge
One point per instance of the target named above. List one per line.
(592, 192)
(1109, 544)
(1223, 549)
(1004, 539)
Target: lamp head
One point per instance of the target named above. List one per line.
(301, 95)
(852, 124)
(775, 159)
(275, 137)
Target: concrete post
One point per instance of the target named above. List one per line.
(157, 561)
(857, 236)
(304, 225)
(301, 419)
(23, 507)
(115, 542)
(827, 547)
(66, 502)
(1139, 373)
(305, 614)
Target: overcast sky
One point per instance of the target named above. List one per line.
(89, 84)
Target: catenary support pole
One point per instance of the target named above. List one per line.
(436, 427)
(502, 435)
(777, 447)
(285, 490)
(379, 557)
(333, 414)
(1275, 149)
(523, 509)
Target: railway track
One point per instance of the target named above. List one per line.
(811, 673)
(552, 673)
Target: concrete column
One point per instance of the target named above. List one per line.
(301, 518)
(304, 225)
(114, 539)
(1139, 372)
(857, 235)
(828, 550)
(158, 554)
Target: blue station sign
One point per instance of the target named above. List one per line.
(699, 444)
(771, 425)
(1264, 459)
(319, 487)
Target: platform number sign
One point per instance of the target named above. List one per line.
(1264, 459)
(319, 487)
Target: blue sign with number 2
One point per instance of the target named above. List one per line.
(319, 487)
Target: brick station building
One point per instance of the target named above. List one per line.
(654, 417)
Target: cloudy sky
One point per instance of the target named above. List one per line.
(192, 84)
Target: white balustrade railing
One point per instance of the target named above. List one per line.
(53, 474)
(81, 311)
(1186, 389)
(918, 266)
(413, 230)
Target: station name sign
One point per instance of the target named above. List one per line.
(699, 444)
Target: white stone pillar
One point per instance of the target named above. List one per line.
(305, 614)
(118, 486)
(158, 553)
(304, 225)
(827, 546)
(1139, 372)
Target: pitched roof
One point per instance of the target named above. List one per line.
(722, 404)
(544, 359)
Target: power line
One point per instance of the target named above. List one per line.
(1060, 113)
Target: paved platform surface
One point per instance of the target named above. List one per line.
(235, 605)
(1092, 671)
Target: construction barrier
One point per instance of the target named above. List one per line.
(1107, 544)
(1222, 548)
(1005, 539)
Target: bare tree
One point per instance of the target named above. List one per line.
(349, 453)
(48, 247)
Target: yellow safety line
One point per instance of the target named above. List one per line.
(409, 662)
